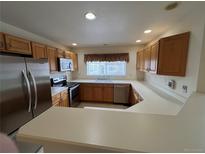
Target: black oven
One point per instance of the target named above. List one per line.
(74, 92)
(73, 89)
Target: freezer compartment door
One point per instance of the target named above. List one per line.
(14, 92)
(38, 74)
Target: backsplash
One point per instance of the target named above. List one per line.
(60, 74)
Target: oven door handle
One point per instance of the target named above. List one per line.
(74, 87)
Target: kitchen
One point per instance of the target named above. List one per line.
(68, 88)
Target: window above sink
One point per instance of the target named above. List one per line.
(105, 68)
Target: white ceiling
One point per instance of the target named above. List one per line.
(117, 23)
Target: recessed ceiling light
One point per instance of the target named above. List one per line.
(147, 31)
(90, 16)
(138, 41)
(74, 44)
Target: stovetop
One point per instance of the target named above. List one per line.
(71, 84)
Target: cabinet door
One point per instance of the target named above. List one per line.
(108, 93)
(56, 99)
(141, 59)
(2, 42)
(74, 57)
(154, 57)
(60, 53)
(68, 54)
(173, 55)
(97, 92)
(147, 59)
(17, 45)
(138, 60)
(38, 50)
(86, 92)
(52, 58)
(64, 98)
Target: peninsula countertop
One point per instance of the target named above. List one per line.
(120, 131)
(154, 102)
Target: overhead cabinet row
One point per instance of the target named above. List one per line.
(13, 44)
(168, 56)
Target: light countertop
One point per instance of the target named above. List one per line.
(153, 102)
(56, 90)
(121, 131)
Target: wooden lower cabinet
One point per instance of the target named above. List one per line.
(134, 97)
(91, 92)
(98, 91)
(61, 99)
(56, 99)
(108, 93)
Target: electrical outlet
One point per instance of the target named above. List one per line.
(172, 84)
(185, 88)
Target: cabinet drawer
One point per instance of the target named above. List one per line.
(17, 45)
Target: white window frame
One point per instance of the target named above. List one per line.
(105, 73)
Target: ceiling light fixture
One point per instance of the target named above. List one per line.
(74, 44)
(147, 31)
(90, 16)
(138, 41)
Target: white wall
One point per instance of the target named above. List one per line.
(201, 78)
(10, 29)
(193, 22)
(131, 73)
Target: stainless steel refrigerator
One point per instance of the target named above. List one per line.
(24, 91)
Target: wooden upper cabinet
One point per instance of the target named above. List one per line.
(38, 50)
(68, 54)
(140, 60)
(147, 59)
(52, 58)
(17, 45)
(2, 42)
(166, 57)
(173, 55)
(61, 53)
(154, 57)
(74, 57)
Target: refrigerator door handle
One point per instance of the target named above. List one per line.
(28, 89)
(35, 89)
